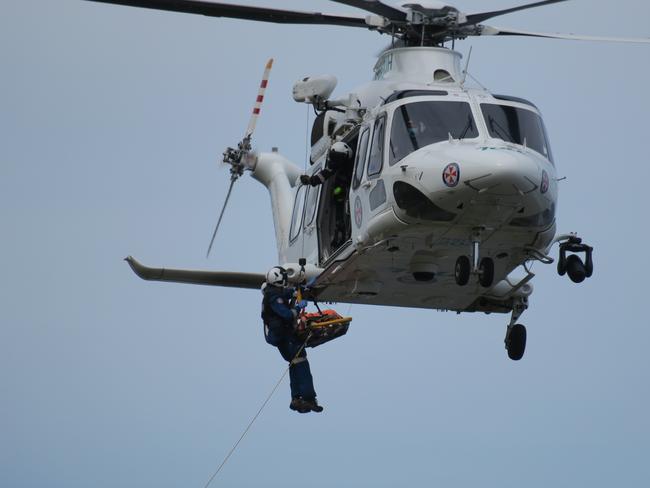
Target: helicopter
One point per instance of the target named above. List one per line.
(450, 188)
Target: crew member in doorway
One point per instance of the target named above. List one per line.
(340, 156)
(279, 313)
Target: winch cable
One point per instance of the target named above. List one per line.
(318, 308)
(250, 424)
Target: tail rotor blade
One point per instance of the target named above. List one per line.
(258, 102)
(223, 209)
(239, 158)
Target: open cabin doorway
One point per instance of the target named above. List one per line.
(334, 221)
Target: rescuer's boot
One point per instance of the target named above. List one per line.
(300, 405)
(314, 406)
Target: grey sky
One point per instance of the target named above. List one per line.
(111, 123)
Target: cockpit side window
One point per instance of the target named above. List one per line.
(518, 126)
(548, 144)
(419, 124)
(361, 158)
(318, 129)
(375, 160)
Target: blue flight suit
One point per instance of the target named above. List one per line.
(279, 317)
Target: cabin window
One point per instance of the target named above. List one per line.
(298, 207)
(361, 158)
(318, 129)
(518, 126)
(419, 124)
(375, 160)
(311, 202)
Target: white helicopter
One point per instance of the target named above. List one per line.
(448, 191)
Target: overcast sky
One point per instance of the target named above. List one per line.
(112, 120)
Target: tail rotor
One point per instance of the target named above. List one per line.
(242, 157)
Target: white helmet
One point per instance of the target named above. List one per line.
(277, 276)
(341, 152)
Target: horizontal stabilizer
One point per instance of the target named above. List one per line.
(213, 278)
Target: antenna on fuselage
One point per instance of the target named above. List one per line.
(465, 71)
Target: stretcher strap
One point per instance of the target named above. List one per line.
(327, 323)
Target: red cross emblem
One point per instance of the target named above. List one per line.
(451, 175)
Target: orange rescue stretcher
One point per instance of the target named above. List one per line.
(320, 327)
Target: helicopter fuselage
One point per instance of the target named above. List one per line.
(448, 189)
(439, 169)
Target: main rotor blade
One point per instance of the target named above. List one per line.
(495, 31)
(260, 14)
(223, 209)
(483, 16)
(376, 7)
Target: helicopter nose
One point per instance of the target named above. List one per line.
(502, 173)
(474, 180)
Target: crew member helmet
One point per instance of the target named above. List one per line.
(340, 152)
(277, 276)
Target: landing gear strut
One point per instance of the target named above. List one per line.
(483, 268)
(515, 340)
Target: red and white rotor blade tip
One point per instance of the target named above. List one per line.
(260, 98)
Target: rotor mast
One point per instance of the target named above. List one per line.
(420, 65)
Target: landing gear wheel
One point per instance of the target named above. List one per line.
(486, 272)
(516, 342)
(462, 270)
(575, 268)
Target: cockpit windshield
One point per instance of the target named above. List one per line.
(517, 125)
(419, 124)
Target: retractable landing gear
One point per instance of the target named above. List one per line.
(515, 340)
(483, 268)
(572, 265)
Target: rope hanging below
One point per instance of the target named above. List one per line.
(259, 411)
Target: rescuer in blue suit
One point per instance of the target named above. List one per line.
(279, 313)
